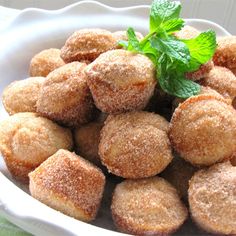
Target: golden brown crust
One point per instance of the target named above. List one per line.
(121, 81)
(26, 140)
(203, 130)
(22, 95)
(86, 141)
(45, 62)
(147, 207)
(87, 44)
(135, 144)
(225, 54)
(222, 80)
(212, 198)
(69, 184)
(65, 96)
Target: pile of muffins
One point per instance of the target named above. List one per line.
(91, 110)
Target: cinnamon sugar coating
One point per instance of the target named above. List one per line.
(121, 81)
(212, 198)
(148, 206)
(26, 140)
(135, 144)
(225, 54)
(70, 184)
(22, 95)
(222, 80)
(65, 96)
(203, 130)
(87, 44)
(45, 62)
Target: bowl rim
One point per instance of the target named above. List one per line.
(21, 214)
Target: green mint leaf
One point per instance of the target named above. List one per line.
(123, 44)
(173, 25)
(150, 52)
(194, 65)
(202, 48)
(162, 11)
(172, 57)
(178, 86)
(133, 42)
(173, 48)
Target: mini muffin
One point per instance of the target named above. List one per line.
(22, 95)
(212, 199)
(65, 96)
(203, 130)
(45, 61)
(70, 184)
(121, 81)
(87, 44)
(178, 173)
(222, 80)
(135, 144)
(26, 140)
(204, 90)
(147, 207)
(189, 32)
(225, 54)
(87, 140)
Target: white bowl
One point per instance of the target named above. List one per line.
(34, 30)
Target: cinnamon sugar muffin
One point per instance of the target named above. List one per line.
(212, 198)
(87, 44)
(45, 62)
(203, 130)
(26, 140)
(65, 96)
(121, 81)
(225, 54)
(22, 95)
(223, 81)
(135, 144)
(148, 206)
(70, 184)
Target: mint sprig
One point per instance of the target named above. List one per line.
(173, 57)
